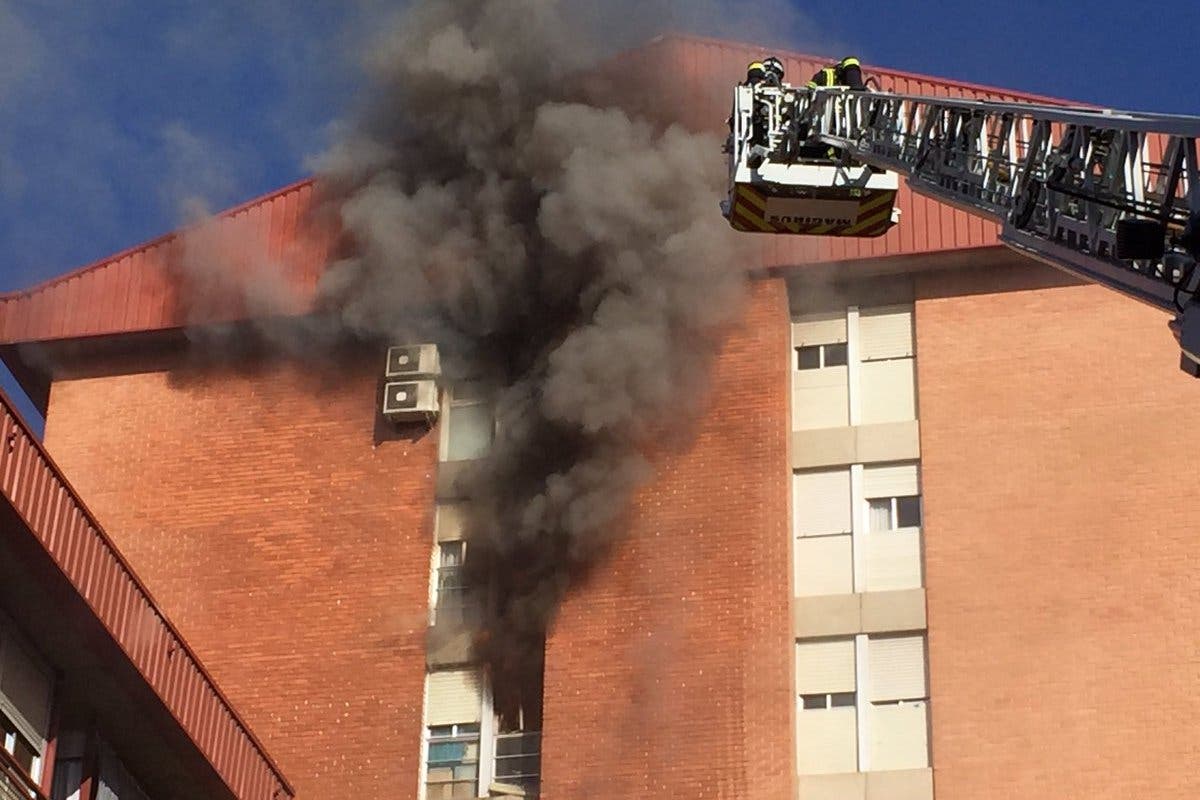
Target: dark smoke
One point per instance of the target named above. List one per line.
(569, 256)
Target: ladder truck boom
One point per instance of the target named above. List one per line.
(1073, 187)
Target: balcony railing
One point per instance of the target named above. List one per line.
(15, 784)
(519, 761)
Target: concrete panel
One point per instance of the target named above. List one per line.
(903, 784)
(893, 611)
(862, 444)
(825, 447)
(841, 786)
(889, 441)
(830, 615)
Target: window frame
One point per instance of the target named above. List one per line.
(894, 513)
(822, 359)
(462, 395)
(456, 736)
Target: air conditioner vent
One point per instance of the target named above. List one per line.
(412, 361)
(408, 401)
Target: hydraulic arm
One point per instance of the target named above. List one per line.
(1112, 197)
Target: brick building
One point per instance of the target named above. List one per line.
(931, 538)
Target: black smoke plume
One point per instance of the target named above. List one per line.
(566, 254)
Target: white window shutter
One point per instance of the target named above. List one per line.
(888, 391)
(893, 561)
(824, 565)
(24, 690)
(820, 398)
(898, 480)
(453, 697)
(900, 736)
(825, 666)
(896, 665)
(824, 328)
(821, 502)
(885, 332)
(826, 742)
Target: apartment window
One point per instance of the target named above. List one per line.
(24, 701)
(887, 373)
(820, 377)
(450, 600)
(827, 723)
(820, 356)
(518, 760)
(469, 423)
(17, 746)
(452, 764)
(816, 702)
(894, 513)
(899, 705)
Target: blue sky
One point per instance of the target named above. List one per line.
(113, 113)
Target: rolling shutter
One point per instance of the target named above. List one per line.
(453, 697)
(900, 736)
(825, 667)
(826, 741)
(821, 502)
(896, 667)
(885, 332)
(824, 565)
(24, 690)
(820, 398)
(888, 391)
(898, 480)
(825, 328)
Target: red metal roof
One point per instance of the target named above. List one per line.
(69, 534)
(139, 289)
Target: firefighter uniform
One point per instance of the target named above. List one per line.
(847, 72)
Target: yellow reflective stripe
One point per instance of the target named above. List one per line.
(850, 62)
(830, 75)
(812, 84)
(755, 65)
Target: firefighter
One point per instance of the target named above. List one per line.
(847, 72)
(755, 72)
(773, 68)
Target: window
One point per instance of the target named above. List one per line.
(813, 702)
(18, 747)
(24, 701)
(894, 513)
(518, 760)
(819, 356)
(450, 586)
(899, 705)
(452, 764)
(469, 423)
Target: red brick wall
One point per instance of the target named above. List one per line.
(294, 556)
(1060, 541)
(669, 675)
(291, 552)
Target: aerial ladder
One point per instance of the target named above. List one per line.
(1073, 187)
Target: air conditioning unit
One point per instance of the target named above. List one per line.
(412, 361)
(410, 401)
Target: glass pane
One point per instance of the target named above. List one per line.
(813, 701)
(835, 355)
(446, 752)
(908, 512)
(469, 727)
(470, 431)
(879, 514)
(441, 730)
(841, 699)
(808, 357)
(465, 772)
